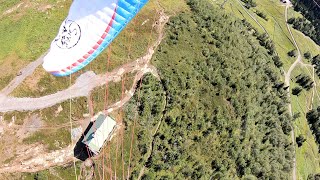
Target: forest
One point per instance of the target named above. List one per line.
(224, 113)
(316, 62)
(249, 3)
(310, 24)
(313, 118)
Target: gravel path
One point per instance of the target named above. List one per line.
(24, 73)
(82, 87)
(287, 83)
(39, 160)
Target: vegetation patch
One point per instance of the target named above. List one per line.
(310, 25)
(222, 103)
(54, 139)
(313, 118)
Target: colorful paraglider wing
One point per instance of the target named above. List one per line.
(89, 28)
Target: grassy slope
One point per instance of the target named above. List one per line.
(25, 33)
(277, 29)
(307, 156)
(174, 60)
(129, 45)
(275, 26)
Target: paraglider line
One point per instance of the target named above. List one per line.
(70, 105)
(133, 129)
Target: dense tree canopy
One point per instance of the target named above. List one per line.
(249, 3)
(305, 81)
(310, 25)
(225, 114)
(316, 62)
(313, 118)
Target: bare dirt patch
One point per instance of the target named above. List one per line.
(32, 81)
(30, 125)
(35, 157)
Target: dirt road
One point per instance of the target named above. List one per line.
(39, 160)
(252, 17)
(287, 83)
(24, 73)
(82, 87)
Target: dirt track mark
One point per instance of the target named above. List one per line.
(25, 72)
(287, 83)
(41, 160)
(252, 17)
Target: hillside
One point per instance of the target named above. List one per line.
(207, 95)
(310, 24)
(221, 90)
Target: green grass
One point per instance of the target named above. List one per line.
(307, 155)
(30, 36)
(129, 45)
(276, 28)
(19, 116)
(174, 7)
(26, 33)
(308, 158)
(4, 80)
(67, 173)
(293, 13)
(6, 4)
(54, 139)
(305, 44)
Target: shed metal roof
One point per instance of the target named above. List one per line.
(100, 131)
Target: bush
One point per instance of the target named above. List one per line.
(249, 3)
(304, 81)
(313, 118)
(307, 55)
(210, 93)
(262, 15)
(293, 53)
(300, 140)
(314, 176)
(296, 91)
(277, 62)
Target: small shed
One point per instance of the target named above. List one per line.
(101, 131)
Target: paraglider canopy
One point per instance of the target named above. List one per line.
(88, 29)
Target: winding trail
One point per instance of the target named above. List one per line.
(34, 158)
(150, 149)
(316, 3)
(25, 72)
(82, 87)
(252, 17)
(287, 83)
(149, 153)
(286, 74)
